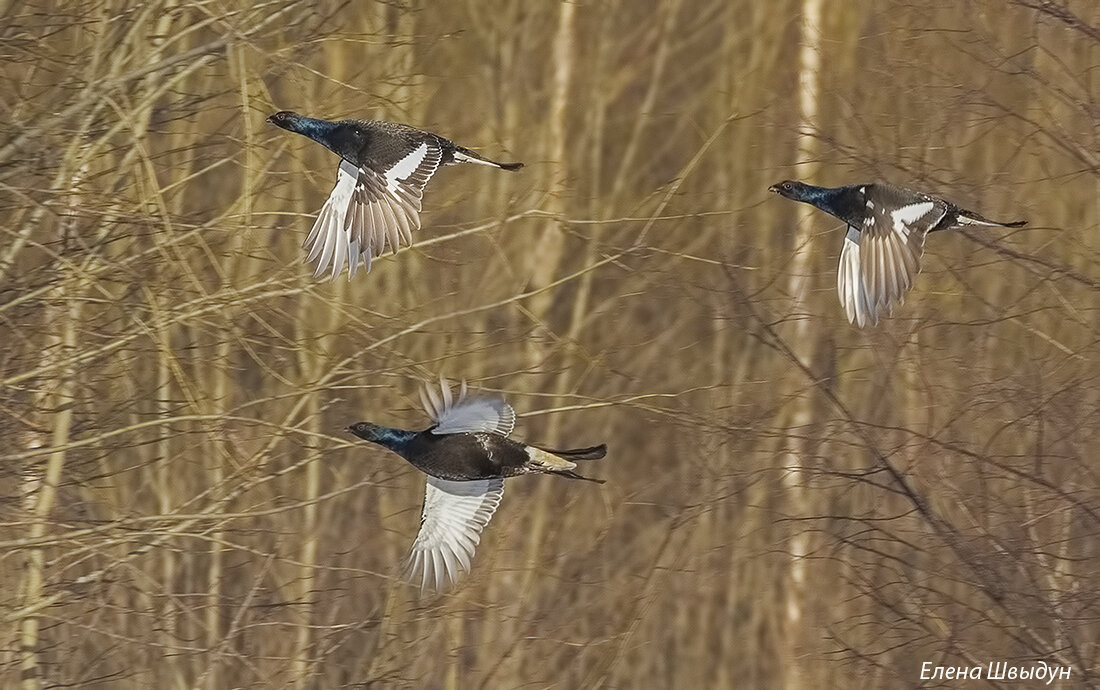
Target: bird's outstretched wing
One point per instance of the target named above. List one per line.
(854, 294)
(368, 208)
(458, 415)
(881, 258)
(450, 529)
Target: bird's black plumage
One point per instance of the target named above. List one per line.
(885, 241)
(467, 455)
(375, 143)
(377, 198)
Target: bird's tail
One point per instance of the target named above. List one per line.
(560, 462)
(465, 155)
(592, 453)
(972, 218)
(573, 475)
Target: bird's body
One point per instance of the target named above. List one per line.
(377, 198)
(462, 457)
(467, 455)
(472, 455)
(882, 250)
(380, 145)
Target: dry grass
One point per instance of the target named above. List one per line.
(790, 501)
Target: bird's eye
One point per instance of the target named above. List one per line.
(787, 186)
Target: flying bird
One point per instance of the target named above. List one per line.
(383, 171)
(467, 455)
(886, 229)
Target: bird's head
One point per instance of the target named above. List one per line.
(369, 432)
(792, 189)
(286, 119)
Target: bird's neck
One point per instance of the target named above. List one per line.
(317, 130)
(842, 202)
(394, 439)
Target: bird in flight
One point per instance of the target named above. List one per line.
(379, 185)
(467, 455)
(885, 240)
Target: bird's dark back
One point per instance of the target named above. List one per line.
(893, 197)
(849, 203)
(379, 145)
(460, 457)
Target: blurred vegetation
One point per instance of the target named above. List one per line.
(791, 501)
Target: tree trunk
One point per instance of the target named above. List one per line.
(803, 340)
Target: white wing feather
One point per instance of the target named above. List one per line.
(463, 415)
(454, 515)
(881, 259)
(851, 286)
(367, 209)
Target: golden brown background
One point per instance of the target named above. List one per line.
(790, 501)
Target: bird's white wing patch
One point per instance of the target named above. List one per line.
(404, 168)
(849, 284)
(907, 216)
(454, 515)
(489, 414)
(368, 210)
